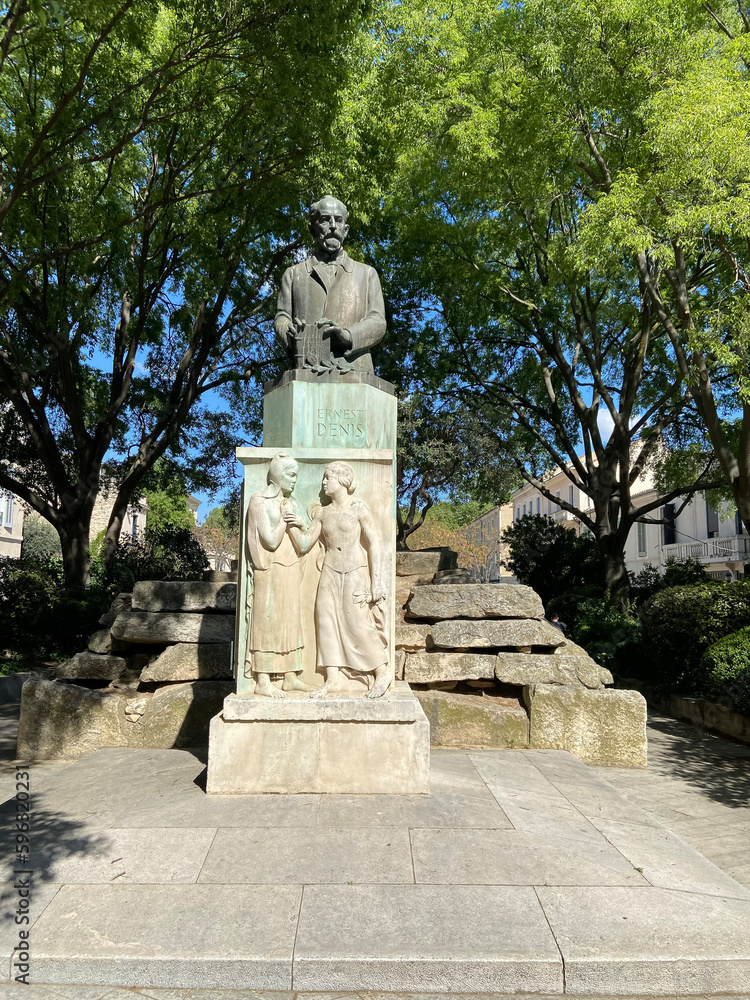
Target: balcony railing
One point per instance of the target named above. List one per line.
(735, 548)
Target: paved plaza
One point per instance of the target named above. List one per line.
(521, 872)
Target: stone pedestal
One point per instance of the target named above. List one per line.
(298, 745)
(344, 742)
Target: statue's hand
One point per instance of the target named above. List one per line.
(338, 332)
(378, 595)
(292, 520)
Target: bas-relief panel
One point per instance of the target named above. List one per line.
(300, 568)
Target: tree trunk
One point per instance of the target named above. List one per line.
(616, 577)
(74, 540)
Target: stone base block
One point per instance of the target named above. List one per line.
(598, 727)
(338, 745)
(466, 721)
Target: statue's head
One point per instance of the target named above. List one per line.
(341, 471)
(282, 472)
(328, 225)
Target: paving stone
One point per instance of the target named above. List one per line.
(91, 666)
(188, 806)
(607, 726)
(644, 941)
(467, 939)
(177, 936)
(540, 668)
(189, 661)
(439, 809)
(142, 856)
(184, 595)
(461, 720)
(477, 600)
(152, 627)
(489, 634)
(309, 856)
(423, 668)
(510, 857)
(41, 895)
(668, 862)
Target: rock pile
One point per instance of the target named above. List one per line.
(153, 676)
(489, 670)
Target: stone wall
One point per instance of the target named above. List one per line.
(490, 671)
(154, 675)
(487, 668)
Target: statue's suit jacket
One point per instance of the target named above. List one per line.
(354, 300)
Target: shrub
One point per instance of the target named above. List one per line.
(677, 573)
(680, 624)
(39, 616)
(607, 634)
(165, 553)
(726, 670)
(40, 540)
(550, 558)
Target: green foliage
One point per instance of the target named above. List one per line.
(551, 558)
(681, 623)
(158, 157)
(452, 515)
(40, 616)
(40, 540)
(607, 633)
(168, 510)
(726, 668)
(677, 573)
(166, 553)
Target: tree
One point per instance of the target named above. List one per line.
(513, 105)
(550, 558)
(154, 158)
(677, 207)
(443, 451)
(219, 534)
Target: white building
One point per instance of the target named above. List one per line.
(11, 525)
(698, 532)
(487, 530)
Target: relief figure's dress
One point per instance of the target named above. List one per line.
(276, 621)
(350, 634)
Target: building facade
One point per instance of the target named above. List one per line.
(697, 532)
(11, 525)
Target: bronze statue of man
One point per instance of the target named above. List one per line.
(330, 309)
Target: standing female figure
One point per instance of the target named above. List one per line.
(275, 638)
(349, 613)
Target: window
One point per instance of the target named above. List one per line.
(739, 527)
(518, 513)
(670, 534)
(571, 495)
(642, 548)
(524, 510)
(134, 527)
(6, 511)
(712, 523)
(538, 505)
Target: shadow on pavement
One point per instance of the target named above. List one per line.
(715, 765)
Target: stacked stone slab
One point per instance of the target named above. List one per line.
(153, 675)
(419, 567)
(492, 672)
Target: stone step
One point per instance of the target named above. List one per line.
(184, 595)
(474, 600)
(154, 628)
